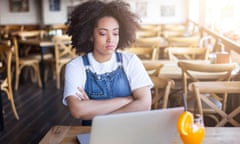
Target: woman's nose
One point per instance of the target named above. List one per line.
(109, 38)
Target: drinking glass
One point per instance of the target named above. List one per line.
(192, 130)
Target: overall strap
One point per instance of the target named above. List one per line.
(119, 58)
(85, 60)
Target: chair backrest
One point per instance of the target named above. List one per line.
(146, 33)
(63, 47)
(160, 83)
(153, 42)
(187, 53)
(210, 72)
(146, 48)
(152, 68)
(143, 53)
(189, 41)
(31, 34)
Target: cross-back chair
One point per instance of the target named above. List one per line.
(26, 49)
(32, 34)
(5, 69)
(143, 53)
(220, 87)
(187, 41)
(146, 48)
(187, 53)
(193, 72)
(22, 62)
(64, 52)
(160, 83)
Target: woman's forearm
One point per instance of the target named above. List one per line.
(87, 109)
(142, 101)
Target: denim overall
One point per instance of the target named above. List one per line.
(107, 85)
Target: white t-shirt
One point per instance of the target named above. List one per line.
(75, 75)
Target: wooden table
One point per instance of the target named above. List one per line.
(43, 44)
(214, 135)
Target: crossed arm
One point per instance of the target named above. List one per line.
(82, 107)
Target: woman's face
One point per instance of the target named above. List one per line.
(105, 37)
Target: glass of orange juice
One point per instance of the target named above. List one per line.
(191, 129)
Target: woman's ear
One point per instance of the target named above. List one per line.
(91, 39)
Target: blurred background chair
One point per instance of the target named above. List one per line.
(32, 51)
(146, 48)
(64, 52)
(220, 87)
(210, 72)
(144, 53)
(184, 41)
(24, 62)
(191, 53)
(162, 85)
(6, 76)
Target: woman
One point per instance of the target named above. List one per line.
(104, 81)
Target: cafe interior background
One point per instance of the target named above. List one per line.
(217, 18)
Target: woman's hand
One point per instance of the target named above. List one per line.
(82, 95)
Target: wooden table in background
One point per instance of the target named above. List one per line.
(214, 135)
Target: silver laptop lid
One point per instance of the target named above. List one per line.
(146, 127)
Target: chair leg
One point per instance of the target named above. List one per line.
(58, 79)
(10, 98)
(13, 107)
(37, 71)
(17, 72)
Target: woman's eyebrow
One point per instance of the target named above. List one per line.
(108, 29)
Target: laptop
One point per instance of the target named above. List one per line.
(145, 127)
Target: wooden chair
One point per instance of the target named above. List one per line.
(143, 53)
(6, 82)
(64, 52)
(146, 48)
(32, 34)
(147, 33)
(232, 87)
(160, 83)
(22, 62)
(191, 53)
(188, 41)
(214, 72)
(35, 34)
(173, 30)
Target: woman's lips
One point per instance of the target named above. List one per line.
(110, 47)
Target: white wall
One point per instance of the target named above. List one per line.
(30, 17)
(33, 16)
(151, 11)
(55, 17)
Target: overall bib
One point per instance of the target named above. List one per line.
(107, 85)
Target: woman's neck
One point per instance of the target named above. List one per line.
(102, 58)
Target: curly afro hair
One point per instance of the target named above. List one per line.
(85, 17)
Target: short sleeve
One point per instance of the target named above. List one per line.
(74, 77)
(136, 73)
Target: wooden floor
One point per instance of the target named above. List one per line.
(38, 110)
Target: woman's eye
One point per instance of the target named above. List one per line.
(102, 33)
(115, 34)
